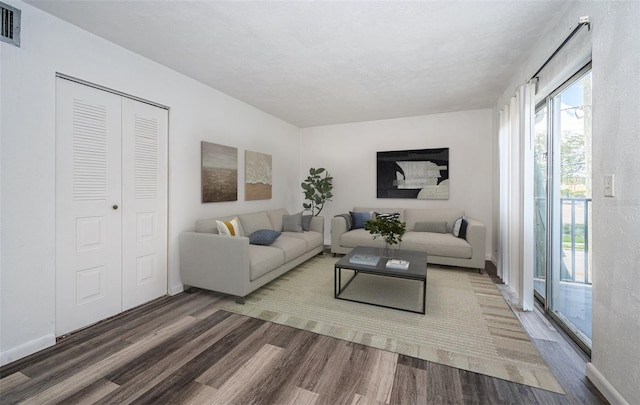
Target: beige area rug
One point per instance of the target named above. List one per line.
(468, 324)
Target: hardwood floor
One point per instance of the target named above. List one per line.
(564, 357)
(184, 349)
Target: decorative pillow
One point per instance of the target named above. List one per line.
(460, 228)
(395, 215)
(263, 237)
(435, 227)
(292, 223)
(306, 222)
(229, 228)
(358, 219)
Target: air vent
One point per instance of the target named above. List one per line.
(10, 32)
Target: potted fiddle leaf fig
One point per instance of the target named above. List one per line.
(317, 190)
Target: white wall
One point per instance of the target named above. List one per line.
(27, 187)
(615, 366)
(348, 151)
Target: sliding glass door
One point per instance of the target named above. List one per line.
(562, 174)
(540, 195)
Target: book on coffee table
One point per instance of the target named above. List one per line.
(397, 264)
(366, 260)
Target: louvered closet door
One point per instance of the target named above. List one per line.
(88, 186)
(144, 206)
(111, 204)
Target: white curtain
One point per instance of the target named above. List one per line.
(527, 135)
(515, 263)
(504, 145)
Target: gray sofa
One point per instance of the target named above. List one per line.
(441, 248)
(231, 265)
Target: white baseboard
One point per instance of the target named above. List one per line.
(606, 389)
(176, 289)
(26, 349)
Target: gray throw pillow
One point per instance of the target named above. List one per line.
(292, 223)
(435, 227)
(263, 237)
(306, 222)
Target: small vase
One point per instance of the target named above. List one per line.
(388, 251)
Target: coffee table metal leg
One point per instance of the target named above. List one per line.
(424, 297)
(338, 288)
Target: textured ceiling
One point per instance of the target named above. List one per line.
(318, 63)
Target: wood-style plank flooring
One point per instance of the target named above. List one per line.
(186, 350)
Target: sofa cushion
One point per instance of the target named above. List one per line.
(437, 227)
(263, 237)
(360, 237)
(254, 221)
(312, 239)
(292, 223)
(275, 216)
(263, 259)
(207, 225)
(437, 244)
(413, 215)
(292, 247)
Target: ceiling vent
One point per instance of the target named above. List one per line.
(10, 32)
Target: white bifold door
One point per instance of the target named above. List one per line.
(111, 204)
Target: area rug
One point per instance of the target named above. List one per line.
(468, 324)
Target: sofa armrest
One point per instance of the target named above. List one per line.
(215, 262)
(476, 236)
(317, 225)
(338, 227)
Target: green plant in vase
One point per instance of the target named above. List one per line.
(387, 226)
(317, 190)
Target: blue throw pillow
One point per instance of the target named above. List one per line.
(263, 237)
(358, 219)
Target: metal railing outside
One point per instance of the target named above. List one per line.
(575, 239)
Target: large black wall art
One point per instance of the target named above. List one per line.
(419, 173)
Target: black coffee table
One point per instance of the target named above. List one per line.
(417, 271)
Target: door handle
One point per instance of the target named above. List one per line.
(115, 206)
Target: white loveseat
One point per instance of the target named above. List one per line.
(441, 248)
(231, 265)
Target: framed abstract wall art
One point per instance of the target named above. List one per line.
(420, 173)
(219, 173)
(257, 173)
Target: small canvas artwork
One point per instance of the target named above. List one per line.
(219, 173)
(419, 173)
(257, 173)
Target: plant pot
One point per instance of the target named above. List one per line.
(388, 251)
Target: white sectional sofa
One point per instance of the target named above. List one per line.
(232, 265)
(441, 248)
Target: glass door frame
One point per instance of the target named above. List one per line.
(553, 235)
(543, 105)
